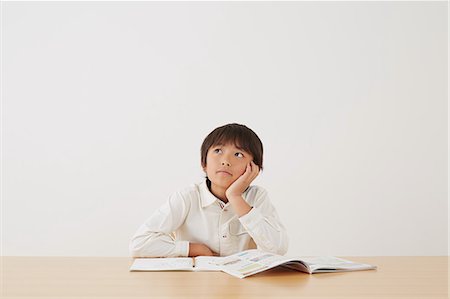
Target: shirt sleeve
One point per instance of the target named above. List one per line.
(264, 226)
(153, 238)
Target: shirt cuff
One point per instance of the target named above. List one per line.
(251, 219)
(181, 248)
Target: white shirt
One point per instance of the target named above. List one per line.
(196, 215)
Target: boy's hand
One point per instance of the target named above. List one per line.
(239, 186)
(196, 249)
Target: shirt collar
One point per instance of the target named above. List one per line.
(206, 196)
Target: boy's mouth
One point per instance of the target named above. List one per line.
(224, 172)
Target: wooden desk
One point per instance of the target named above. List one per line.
(100, 277)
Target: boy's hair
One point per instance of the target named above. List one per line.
(242, 137)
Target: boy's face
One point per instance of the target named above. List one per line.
(225, 163)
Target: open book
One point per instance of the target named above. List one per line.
(249, 262)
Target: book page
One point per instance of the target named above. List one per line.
(250, 262)
(333, 264)
(162, 264)
(207, 263)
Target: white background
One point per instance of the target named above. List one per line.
(105, 106)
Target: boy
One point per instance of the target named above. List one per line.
(221, 215)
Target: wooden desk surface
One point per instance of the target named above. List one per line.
(100, 277)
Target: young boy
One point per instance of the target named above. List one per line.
(221, 215)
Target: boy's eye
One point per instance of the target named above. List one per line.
(240, 155)
(217, 150)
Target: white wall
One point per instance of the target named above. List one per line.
(105, 106)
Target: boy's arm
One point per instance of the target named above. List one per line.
(235, 190)
(264, 226)
(153, 238)
(240, 206)
(261, 220)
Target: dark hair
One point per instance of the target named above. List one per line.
(242, 137)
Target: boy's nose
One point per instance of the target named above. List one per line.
(225, 163)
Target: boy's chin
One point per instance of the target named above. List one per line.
(222, 184)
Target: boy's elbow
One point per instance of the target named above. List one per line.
(134, 250)
(283, 245)
(279, 246)
(135, 253)
(275, 250)
(282, 250)
(150, 245)
(137, 247)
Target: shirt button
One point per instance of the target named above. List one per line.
(224, 236)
